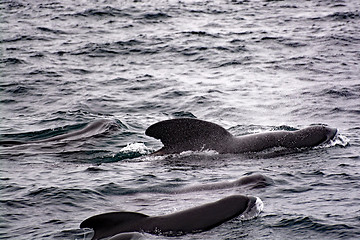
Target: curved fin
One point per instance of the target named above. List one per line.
(183, 134)
(104, 223)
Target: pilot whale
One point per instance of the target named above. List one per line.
(251, 181)
(196, 219)
(188, 134)
(91, 129)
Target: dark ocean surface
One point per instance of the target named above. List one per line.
(249, 66)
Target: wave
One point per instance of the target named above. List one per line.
(112, 49)
(11, 61)
(342, 92)
(288, 42)
(130, 151)
(340, 16)
(300, 224)
(154, 16)
(113, 12)
(113, 189)
(155, 45)
(50, 30)
(107, 11)
(25, 38)
(50, 196)
(65, 196)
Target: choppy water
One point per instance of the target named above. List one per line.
(249, 66)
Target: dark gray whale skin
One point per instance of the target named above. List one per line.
(187, 134)
(192, 220)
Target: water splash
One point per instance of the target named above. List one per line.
(253, 210)
(139, 148)
(340, 140)
(205, 152)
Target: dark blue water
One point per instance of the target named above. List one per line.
(250, 66)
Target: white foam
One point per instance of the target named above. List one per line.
(206, 152)
(340, 140)
(253, 210)
(136, 147)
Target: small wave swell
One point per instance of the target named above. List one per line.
(11, 61)
(299, 224)
(51, 195)
(338, 16)
(103, 12)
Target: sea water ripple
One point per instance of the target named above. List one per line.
(250, 66)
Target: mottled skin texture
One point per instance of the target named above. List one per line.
(192, 220)
(186, 134)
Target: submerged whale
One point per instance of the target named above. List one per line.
(252, 181)
(185, 134)
(197, 219)
(91, 129)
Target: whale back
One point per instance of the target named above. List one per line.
(204, 217)
(185, 134)
(192, 220)
(109, 224)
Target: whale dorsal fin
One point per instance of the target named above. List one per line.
(184, 134)
(105, 224)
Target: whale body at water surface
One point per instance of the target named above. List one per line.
(197, 219)
(250, 182)
(91, 129)
(187, 134)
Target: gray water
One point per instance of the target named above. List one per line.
(250, 66)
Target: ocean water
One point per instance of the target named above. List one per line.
(250, 66)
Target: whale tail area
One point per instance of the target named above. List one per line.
(183, 134)
(104, 224)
